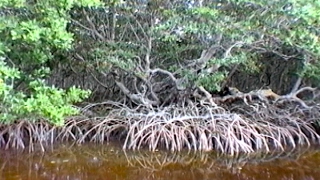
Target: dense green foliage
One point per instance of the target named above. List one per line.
(180, 30)
(134, 39)
(31, 33)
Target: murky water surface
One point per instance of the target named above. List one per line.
(90, 161)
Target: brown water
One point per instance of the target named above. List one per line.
(90, 161)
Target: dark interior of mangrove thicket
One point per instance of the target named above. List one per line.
(231, 76)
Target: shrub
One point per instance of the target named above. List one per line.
(31, 33)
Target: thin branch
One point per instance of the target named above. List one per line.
(113, 22)
(141, 28)
(305, 89)
(152, 71)
(153, 94)
(78, 56)
(121, 36)
(296, 86)
(81, 25)
(234, 69)
(136, 98)
(94, 29)
(147, 57)
(206, 55)
(208, 96)
(134, 32)
(228, 51)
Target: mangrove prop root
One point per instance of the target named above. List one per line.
(238, 127)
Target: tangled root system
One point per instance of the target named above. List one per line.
(240, 128)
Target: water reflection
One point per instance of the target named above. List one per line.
(92, 161)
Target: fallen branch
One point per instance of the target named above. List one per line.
(266, 95)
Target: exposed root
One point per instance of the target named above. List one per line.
(209, 129)
(232, 129)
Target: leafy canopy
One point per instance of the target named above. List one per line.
(31, 32)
